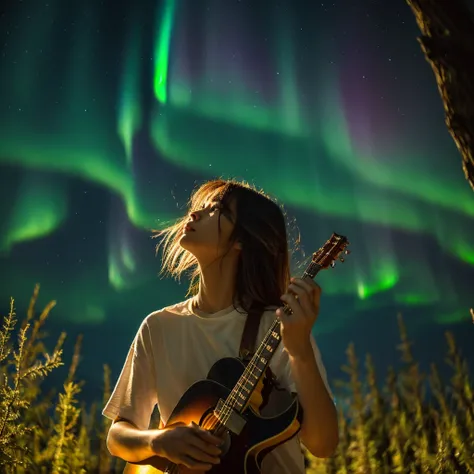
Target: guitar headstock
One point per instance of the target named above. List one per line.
(334, 249)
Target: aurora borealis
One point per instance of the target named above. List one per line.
(110, 113)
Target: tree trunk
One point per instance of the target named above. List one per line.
(447, 41)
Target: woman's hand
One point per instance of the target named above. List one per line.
(303, 297)
(189, 445)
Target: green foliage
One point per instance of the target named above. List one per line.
(394, 430)
(400, 430)
(46, 432)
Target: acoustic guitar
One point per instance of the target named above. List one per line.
(228, 402)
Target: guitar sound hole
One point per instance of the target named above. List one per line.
(210, 423)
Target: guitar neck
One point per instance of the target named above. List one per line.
(241, 393)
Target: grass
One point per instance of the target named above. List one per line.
(394, 429)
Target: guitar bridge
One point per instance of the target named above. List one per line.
(229, 418)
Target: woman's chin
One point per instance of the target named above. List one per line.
(186, 243)
(183, 242)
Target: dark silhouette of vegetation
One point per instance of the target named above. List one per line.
(396, 429)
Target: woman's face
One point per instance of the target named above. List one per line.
(201, 234)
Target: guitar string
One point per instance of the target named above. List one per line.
(227, 409)
(233, 398)
(245, 377)
(266, 341)
(310, 272)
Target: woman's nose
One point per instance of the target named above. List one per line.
(194, 216)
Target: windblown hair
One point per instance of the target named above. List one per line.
(263, 270)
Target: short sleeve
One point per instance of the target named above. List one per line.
(134, 396)
(282, 368)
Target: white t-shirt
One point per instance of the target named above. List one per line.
(174, 348)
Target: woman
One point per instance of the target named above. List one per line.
(234, 242)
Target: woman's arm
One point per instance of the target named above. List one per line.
(319, 430)
(126, 441)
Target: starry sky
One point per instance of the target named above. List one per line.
(111, 112)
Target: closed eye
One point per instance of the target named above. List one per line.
(217, 206)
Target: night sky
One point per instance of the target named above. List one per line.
(111, 112)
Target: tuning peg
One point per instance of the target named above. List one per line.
(341, 259)
(347, 252)
(333, 263)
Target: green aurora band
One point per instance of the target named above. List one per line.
(229, 132)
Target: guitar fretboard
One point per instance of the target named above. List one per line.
(241, 393)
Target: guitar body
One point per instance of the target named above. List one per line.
(252, 432)
(242, 453)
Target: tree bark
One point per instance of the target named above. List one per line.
(447, 41)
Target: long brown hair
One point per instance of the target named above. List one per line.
(263, 270)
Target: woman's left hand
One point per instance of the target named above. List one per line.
(303, 297)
